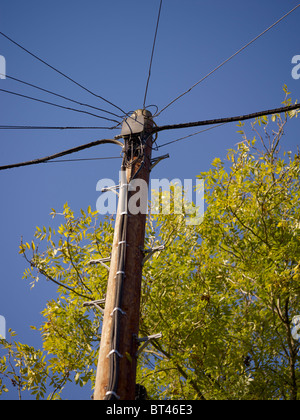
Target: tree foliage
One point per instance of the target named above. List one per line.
(222, 293)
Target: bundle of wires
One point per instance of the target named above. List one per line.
(114, 353)
(134, 151)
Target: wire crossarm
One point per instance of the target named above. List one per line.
(146, 340)
(149, 252)
(96, 304)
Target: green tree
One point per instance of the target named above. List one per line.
(222, 293)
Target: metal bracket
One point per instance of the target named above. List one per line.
(113, 189)
(114, 352)
(95, 303)
(150, 252)
(155, 161)
(114, 394)
(101, 261)
(146, 340)
(119, 310)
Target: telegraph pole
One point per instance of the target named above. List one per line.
(116, 371)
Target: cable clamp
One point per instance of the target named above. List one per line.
(101, 261)
(114, 351)
(150, 252)
(95, 303)
(122, 242)
(113, 189)
(114, 394)
(146, 341)
(118, 309)
(156, 160)
(120, 272)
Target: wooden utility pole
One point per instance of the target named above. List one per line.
(116, 372)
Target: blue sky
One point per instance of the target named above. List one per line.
(106, 46)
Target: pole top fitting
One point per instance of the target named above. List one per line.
(144, 112)
(136, 122)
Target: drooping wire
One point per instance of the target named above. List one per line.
(190, 135)
(216, 122)
(40, 127)
(83, 159)
(152, 54)
(60, 96)
(61, 154)
(58, 106)
(61, 73)
(228, 59)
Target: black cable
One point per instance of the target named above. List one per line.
(61, 96)
(82, 159)
(190, 135)
(114, 356)
(40, 127)
(113, 382)
(56, 105)
(152, 106)
(152, 54)
(156, 129)
(60, 154)
(228, 59)
(141, 154)
(227, 120)
(136, 150)
(61, 73)
(117, 314)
